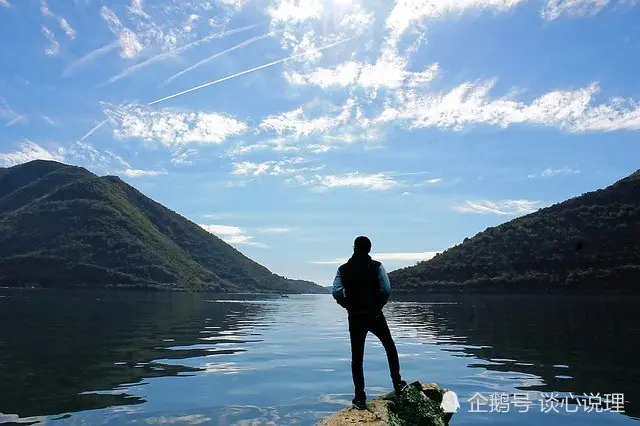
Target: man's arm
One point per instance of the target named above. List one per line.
(338, 291)
(385, 285)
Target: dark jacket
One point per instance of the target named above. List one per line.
(361, 285)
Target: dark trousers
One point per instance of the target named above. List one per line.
(359, 326)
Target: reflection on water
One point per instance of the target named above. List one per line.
(136, 357)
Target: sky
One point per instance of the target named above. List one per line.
(287, 128)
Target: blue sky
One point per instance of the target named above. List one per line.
(288, 128)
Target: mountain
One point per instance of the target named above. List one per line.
(62, 225)
(587, 243)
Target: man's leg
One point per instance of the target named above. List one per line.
(358, 335)
(380, 328)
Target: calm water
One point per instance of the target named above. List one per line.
(154, 358)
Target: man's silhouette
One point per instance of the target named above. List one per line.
(362, 287)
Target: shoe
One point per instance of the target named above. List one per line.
(400, 386)
(359, 404)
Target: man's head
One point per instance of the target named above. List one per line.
(362, 245)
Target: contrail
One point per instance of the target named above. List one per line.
(92, 131)
(210, 58)
(90, 57)
(16, 120)
(220, 80)
(161, 56)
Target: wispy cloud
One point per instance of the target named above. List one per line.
(54, 47)
(171, 53)
(130, 45)
(172, 127)
(274, 230)
(501, 207)
(89, 58)
(64, 25)
(232, 235)
(4, 3)
(389, 71)
(291, 11)
(470, 104)
(134, 173)
(234, 4)
(553, 9)
(184, 157)
(105, 160)
(408, 12)
(250, 70)
(49, 120)
(294, 123)
(211, 58)
(374, 182)
(30, 151)
(405, 257)
(550, 172)
(273, 168)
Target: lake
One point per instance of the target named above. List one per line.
(129, 357)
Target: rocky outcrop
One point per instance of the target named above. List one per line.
(418, 404)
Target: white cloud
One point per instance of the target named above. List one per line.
(572, 8)
(502, 207)
(4, 3)
(433, 181)
(407, 12)
(295, 11)
(322, 183)
(470, 104)
(130, 46)
(172, 127)
(44, 8)
(30, 151)
(84, 152)
(296, 124)
(356, 19)
(563, 171)
(67, 28)
(134, 173)
(184, 157)
(234, 4)
(49, 120)
(232, 235)
(274, 230)
(389, 71)
(175, 51)
(378, 181)
(272, 168)
(413, 257)
(54, 46)
(550, 172)
(137, 8)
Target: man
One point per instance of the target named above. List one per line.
(362, 287)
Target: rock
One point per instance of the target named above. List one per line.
(418, 404)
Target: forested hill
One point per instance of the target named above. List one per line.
(589, 243)
(62, 225)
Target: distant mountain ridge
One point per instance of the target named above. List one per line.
(587, 243)
(62, 225)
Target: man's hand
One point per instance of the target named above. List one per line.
(342, 300)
